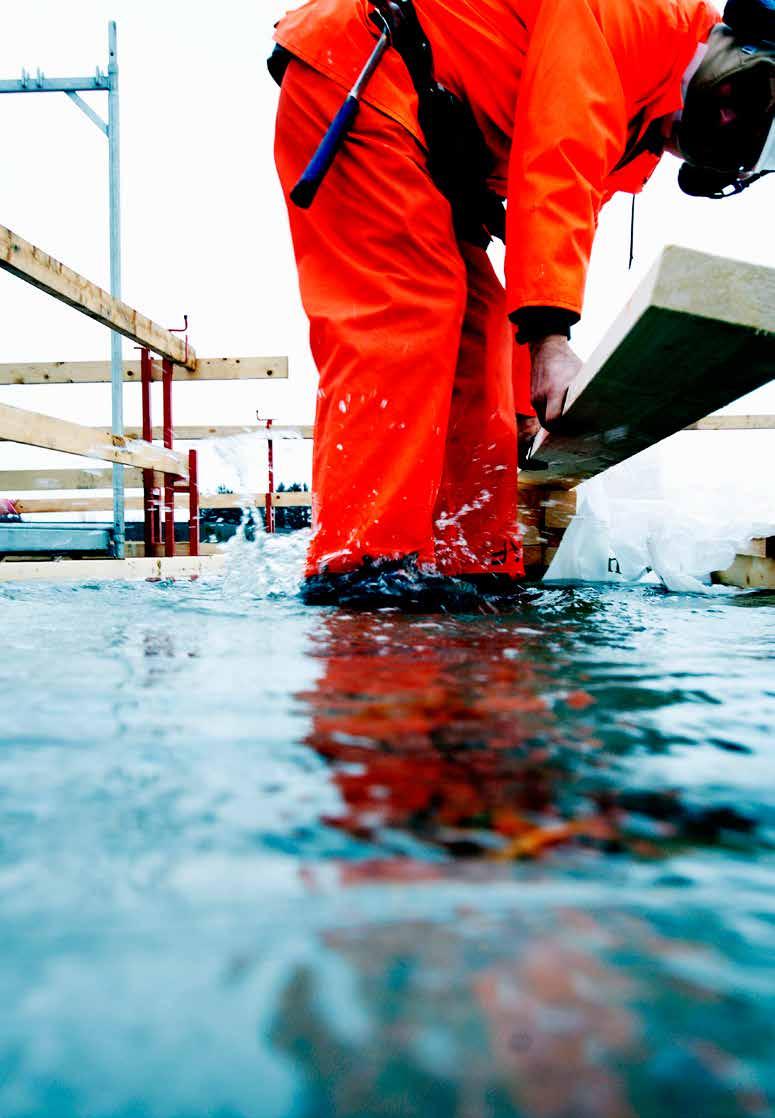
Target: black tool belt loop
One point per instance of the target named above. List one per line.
(459, 160)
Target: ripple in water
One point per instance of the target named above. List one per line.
(263, 859)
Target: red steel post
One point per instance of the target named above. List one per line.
(149, 517)
(169, 481)
(193, 504)
(270, 520)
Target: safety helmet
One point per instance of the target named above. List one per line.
(727, 128)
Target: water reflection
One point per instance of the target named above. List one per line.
(380, 865)
(556, 1013)
(490, 739)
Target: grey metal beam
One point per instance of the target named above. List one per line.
(55, 539)
(88, 110)
(54, 85)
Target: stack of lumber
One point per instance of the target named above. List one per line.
(545, 511)
(753, 568)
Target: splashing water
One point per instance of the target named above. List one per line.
(263, 859)
(268, 567)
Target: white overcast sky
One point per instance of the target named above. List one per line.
(204, 227)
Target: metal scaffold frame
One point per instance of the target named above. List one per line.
(102, 82)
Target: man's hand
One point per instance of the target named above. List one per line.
(554, 366)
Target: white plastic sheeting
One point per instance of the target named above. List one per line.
(615, 539)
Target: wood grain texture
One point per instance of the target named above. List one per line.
(36, 267)
(135, 549)
(698, 334)
(36, 505)
(545, 511)
(734, 423)
(763, 547)
(748, 572)
(32, 481)
(199, 432)
(98, 372)
(135, 570)
(34, 429)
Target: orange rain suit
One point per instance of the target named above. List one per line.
(415, 448)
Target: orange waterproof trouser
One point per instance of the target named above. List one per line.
(415, 444)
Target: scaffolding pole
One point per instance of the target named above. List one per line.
(73, 87)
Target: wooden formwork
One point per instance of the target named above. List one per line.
(753, 567)
(131, 569)
(545, 511)
(699, 332)
(166, 474)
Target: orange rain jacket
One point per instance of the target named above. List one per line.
(564, 92)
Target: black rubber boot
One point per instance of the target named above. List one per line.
(401, 584)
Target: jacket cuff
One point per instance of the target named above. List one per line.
(536, 322)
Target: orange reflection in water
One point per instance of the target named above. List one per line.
(443, 729)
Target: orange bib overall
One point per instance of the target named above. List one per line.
(415, 442)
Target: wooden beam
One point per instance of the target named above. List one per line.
(30, 481)
(195, 433)
(750, 572)
(35, 505)
(134, 570)
(763, 547)
(135, 549)
(98, 372)
(697, 334)
(36, 267)
(734, 423)
(33, 429)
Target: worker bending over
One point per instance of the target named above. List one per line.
(560, 103)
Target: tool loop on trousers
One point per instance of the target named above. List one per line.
(459, 160)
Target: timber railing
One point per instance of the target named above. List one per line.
(167, 477)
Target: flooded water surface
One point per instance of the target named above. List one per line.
(260, 859)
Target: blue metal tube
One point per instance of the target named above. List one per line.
(116, 355)
(106, 83)
(87, 110)
(54, 85)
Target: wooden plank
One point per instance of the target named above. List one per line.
(532, 486)
(195, 433)
(135, 549)
(531, 535)
(34, 266)
(98, 372)
(130, 570)
(751, 572)
(559, 507)
(535, 563)
(734, 423)
(698, 334)
(198, 432)
(292, 500)
(30, 481)
(33, 429)
(29, 506)
(764, 547)
(37, 505)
